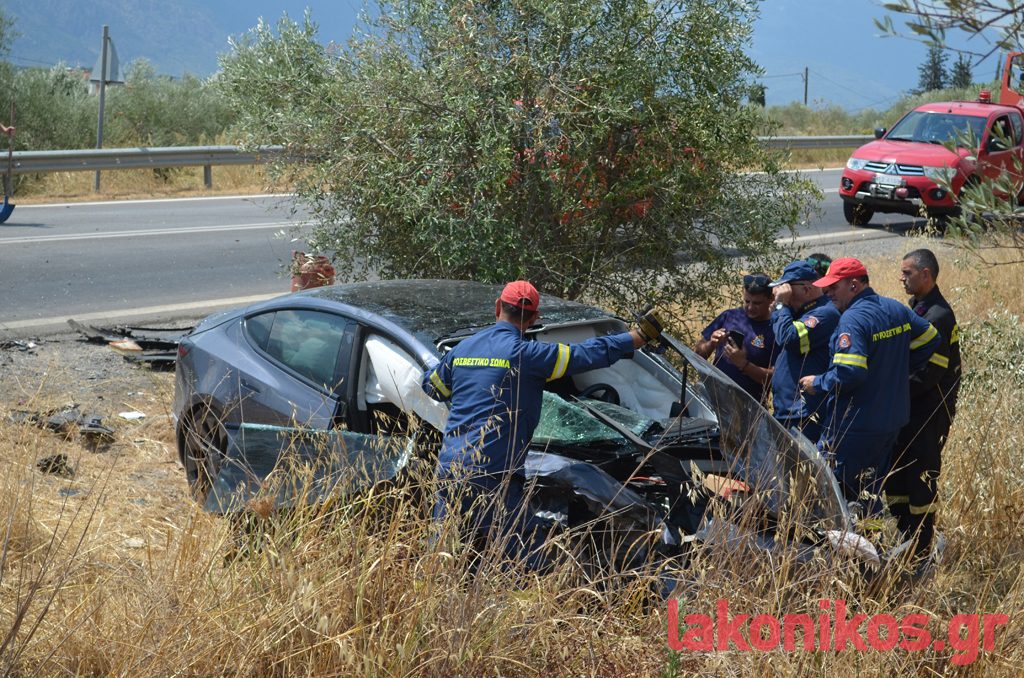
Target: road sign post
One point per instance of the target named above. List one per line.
(107, 68)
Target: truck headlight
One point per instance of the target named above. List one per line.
(939, 173)
(856, 163)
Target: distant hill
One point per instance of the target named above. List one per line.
(176, 36)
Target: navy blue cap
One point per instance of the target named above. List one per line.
(798, 271)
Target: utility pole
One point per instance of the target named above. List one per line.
(806, 74)
(103, 95)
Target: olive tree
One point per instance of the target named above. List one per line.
(156, 110)
(601, 148)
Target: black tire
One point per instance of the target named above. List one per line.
(857, 214)
(204, 442)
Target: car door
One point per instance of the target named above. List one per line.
(298, 374)
(998, 148)
(1017, 158)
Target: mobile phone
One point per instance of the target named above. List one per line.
(736, 337)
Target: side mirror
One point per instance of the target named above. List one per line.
(880, 132)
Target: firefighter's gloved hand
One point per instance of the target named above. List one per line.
(649, 325)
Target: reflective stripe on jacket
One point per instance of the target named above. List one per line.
(494, 381)
(875, 347)
(802, 339)
(938, 386)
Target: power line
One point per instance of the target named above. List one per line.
(30, 61)
(841, 86)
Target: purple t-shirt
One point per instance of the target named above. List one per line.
(758, 339)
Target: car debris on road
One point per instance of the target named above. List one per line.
(153, 346)
(67, 421)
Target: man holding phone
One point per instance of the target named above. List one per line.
(742, 339)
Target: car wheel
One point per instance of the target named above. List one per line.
(204, 443)
(856, 214)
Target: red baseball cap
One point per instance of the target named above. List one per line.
(521, 294)
(841, 269)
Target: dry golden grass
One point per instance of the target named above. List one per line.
(128, 577)
(136, 184)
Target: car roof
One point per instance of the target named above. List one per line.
(966, 108)
(441, 308)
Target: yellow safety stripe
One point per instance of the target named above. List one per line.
(925, 337)
(927, 508)
(435, 379)
(897, 499)
(805, 340)
(955, 335)
(940, 360)
(561, 363)
(851, 359)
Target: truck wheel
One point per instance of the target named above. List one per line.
(857, 215)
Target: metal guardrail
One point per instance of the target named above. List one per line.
(206, 156)
(139, 158)
(26, 162)
(794, 143)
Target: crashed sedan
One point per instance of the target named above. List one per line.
(329, 380)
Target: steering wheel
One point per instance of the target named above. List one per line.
(603, 392)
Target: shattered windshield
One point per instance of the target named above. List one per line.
(787, 471)
(564, 423)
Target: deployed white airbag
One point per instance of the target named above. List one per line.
(393, 377)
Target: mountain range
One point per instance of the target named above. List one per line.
(176, 36)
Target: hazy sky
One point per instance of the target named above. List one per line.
(850, 63)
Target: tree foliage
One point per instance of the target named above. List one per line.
(156, 110)
(56, 111)
(932, 73)
(7, 32)
(598, 148)
(1001, 22)
(961, 76)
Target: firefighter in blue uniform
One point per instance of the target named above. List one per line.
(494, 382)
(803, 321)
(911, 489)
(878, 343)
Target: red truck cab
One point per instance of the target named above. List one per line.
(898, 172)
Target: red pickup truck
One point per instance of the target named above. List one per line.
(898, 171)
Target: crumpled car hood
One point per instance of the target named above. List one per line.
(787, 470)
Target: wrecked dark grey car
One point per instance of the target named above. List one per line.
(328, 380)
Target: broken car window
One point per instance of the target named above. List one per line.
(564, 423)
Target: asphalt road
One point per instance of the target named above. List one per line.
(130, 260)
(138, 261)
